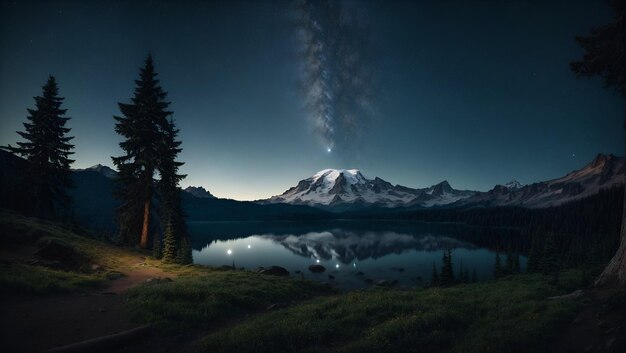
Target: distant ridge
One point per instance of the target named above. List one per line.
(604, 171)
(342, 189)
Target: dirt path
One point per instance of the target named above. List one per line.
(138, 273)
(36, 324)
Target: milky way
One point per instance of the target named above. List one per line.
(335, 73)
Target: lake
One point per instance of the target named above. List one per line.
(356, 254)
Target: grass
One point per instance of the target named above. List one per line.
(204, 298)
(26, 279)
(19, 229)
(512, 315)
(20, 236)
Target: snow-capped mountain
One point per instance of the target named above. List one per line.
(604, 171)
(102, 169)
(513, 185)
(348, 187)
(199, 192)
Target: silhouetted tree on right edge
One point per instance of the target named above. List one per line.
(605, 55)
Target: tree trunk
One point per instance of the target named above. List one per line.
(615, 271)
(143, 242)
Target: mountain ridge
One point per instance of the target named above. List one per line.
(337, 188)
(95, 205)
(342, 189)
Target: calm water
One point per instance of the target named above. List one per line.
(350, 251)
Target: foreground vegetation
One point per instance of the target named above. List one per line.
(221, 295)
(514, 314)
(87, 263)
(242, 311)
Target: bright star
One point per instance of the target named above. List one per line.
(229, 251)
(329, 149)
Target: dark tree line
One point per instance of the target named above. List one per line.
(446, 276)
(510, 266)
(584, 232)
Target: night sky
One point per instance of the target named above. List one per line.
(475, 92)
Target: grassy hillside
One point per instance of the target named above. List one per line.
(81, 263)
(512, 315)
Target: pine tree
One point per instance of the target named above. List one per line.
(141, 126)
(550, 261)
(168, 188)
(169, 244)
(516, 265)
(447, 274)
(535, 256)
(463, 273)
(510, 263)
(497, 267)
(184, 253)
(47, 149)
(157, 248)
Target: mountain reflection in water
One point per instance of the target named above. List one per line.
(354, 253)
(347, 246)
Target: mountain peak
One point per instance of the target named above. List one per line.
(199, 192)
(102, 169)
(600, 160)
(334, 173)
(445, 184)
(513, 184)
(440, 189)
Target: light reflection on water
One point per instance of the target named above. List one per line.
(354, 254)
